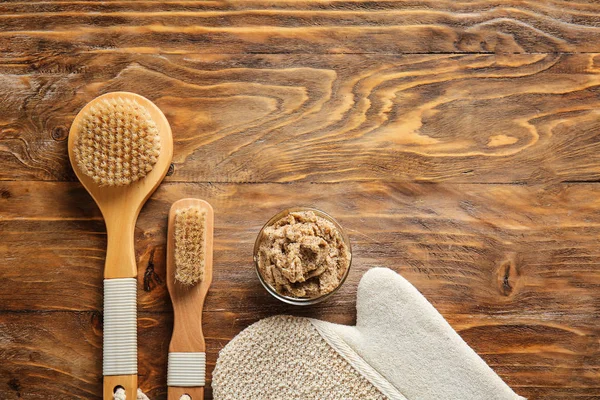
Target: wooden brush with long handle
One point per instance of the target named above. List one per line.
(189, 274)
(120, 147)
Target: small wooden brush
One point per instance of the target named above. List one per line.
(189, 274)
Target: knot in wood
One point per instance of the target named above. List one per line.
(59, 133)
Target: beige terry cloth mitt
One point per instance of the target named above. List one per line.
(401, 348)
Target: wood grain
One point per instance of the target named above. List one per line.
(457, 142)
(514, 268)
(43, 362)
(286, 118)
(313, 26)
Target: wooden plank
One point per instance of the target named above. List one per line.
(313, 26)
(514, 268)
(359, 118)
(496, 245)
(58, 354)
(335, 118)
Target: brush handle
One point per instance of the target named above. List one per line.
(186, 369)
(195, 393)
(186, 375)
(120, 336)
(120, 306)
(129, 382)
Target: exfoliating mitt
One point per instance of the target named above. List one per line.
(401, 348)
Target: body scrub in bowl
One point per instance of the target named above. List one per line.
(302, 256)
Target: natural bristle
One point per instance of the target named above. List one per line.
(190, 238)
(118, 142)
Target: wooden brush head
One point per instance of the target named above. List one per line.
(109, 125)
(117, 141)
(190, 244)
(191, 222)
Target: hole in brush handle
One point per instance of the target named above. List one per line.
(186, 369)
(120, 327)
(120, 388)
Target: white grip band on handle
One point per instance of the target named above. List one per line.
(120, 327)
(186, 369)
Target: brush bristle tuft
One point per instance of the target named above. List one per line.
(190, 238)
(118, 142)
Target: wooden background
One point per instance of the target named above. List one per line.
(457, 142)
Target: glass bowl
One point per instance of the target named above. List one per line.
(299, 301)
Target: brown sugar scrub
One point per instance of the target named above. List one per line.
(302, 254)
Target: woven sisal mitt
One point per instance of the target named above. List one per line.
(401, 348)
